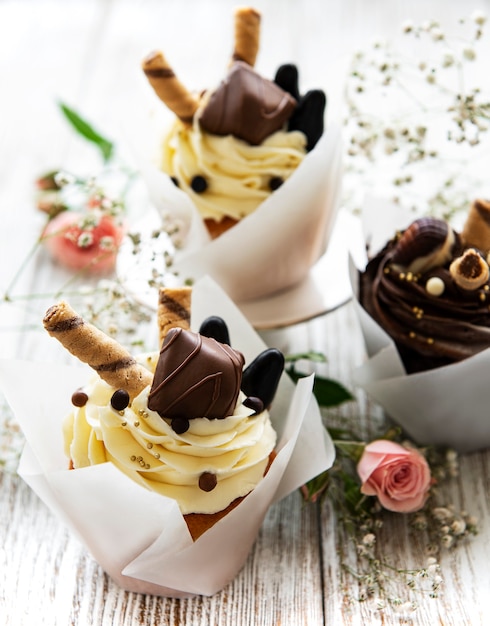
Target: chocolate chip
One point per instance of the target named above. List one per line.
(275, 182)
(254, 403)
(180, 425)
(199, 184)
(79, 398)
(175, 181)
(120, 399)
(207, 481)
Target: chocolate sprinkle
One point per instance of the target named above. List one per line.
(120, 399)
(79, 398)
(175, 181)
(254, 403)
(180, 425)
(275, 182)
(207, 481)
(199, 184)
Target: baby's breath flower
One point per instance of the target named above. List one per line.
(447, 541)
(437, 34)
(458, 526)
(479, 17)
(369, 539)
(448, 59)
(107, 243)
(90, 220)
(85, 239)
(441, 513)
(63, 178)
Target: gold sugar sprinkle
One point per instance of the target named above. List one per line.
(157, 455)
(133, 458)
(149, 445)
(142, 413)
(124, 424)
(483, 297)
(412, 335)
(430, 340)
(136, 424)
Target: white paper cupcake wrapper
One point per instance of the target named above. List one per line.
(138, 537)
(275, 246)
(446, 406)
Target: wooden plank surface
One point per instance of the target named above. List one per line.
(88, 53)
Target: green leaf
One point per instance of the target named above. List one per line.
(84, 129)
(329, 392)
(315, 357)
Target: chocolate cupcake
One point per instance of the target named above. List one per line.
(428, 289)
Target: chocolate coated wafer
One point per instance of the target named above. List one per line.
(174, 310)
(106, 356)
(247, 33)
(169, 88)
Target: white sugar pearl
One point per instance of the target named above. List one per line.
(435, 286)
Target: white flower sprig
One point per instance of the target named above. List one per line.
(417, 117)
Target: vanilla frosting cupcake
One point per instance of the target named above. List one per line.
(187, 423)
(229, 148)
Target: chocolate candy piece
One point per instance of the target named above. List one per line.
(79, 398)
(308, 116)
(287, 78)
(254, 403)
(207, 481)
(275, 182)
(247, 106)
(199, 184)
(120, 399)
(261, 377)
(195, 377)
(216, 328)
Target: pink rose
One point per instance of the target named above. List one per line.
(84, 241)
(398, 476)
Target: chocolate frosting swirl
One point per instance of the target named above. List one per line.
(196, 376)
(429, 330)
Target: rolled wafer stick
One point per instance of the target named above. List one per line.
(106, 356)
(247, 33)
(169, 88)
(470, 271)
(476, 230)
(174, 310)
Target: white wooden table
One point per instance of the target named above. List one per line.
(87, 53)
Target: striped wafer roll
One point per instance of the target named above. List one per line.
(174, 309)
(169, 88)
(247, 33)
(476, 231)
(89, 344)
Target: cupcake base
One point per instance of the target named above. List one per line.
(215, 229)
